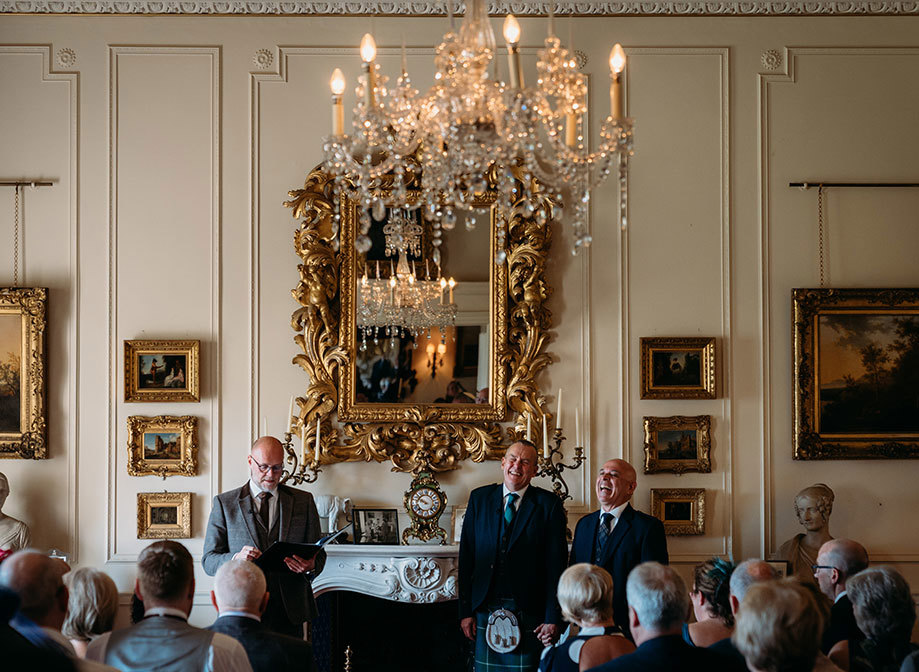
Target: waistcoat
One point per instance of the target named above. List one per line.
(160, 644)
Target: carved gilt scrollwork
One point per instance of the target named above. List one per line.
(417, 437)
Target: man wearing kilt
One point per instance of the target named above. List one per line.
(512, 553)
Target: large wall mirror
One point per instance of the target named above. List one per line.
(404, 365)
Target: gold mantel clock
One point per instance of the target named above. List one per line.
(424, 502)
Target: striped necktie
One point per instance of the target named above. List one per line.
(603, 532)
(509, 510)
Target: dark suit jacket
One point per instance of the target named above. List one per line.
(842, 624)
(637, 538)
(666, 654)
(232, 525)
(536, 551)
(734, 659)
(268, 651)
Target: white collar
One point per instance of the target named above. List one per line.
(256, 489)
(838, 597)
(617, 511)
(165, 611)
(520, 492)
(592, 631)
(242, 614)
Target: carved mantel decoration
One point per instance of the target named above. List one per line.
(424, 436)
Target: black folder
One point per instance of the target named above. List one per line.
(273, 558)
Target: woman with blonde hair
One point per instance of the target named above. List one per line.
(92, 607)
(585, 594)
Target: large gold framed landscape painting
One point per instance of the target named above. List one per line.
(22, 372)
(856, 373)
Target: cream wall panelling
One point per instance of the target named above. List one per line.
(308, 155)
(719, 491)
(170, 124)
(436, 8)
(63, 417)
(773, 192)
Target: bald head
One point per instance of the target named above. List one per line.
(838, 560)
(745, 575)
(615, 483)
(38, 580)
(239, 585)
(266, 462)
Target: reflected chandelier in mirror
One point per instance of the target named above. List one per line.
(414, 434)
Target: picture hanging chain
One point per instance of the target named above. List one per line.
(16, 239)
(821, 232)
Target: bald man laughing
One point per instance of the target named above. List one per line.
(617, 537)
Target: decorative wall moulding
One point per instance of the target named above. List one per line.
(436, 8)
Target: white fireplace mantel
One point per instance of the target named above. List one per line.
(420, 574)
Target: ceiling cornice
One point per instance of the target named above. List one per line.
(436, 8)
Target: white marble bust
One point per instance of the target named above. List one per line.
(14, 534)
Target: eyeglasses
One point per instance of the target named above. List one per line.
(816, 567)
(275, 468)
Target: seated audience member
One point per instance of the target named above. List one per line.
(837, 561)
(92, 607)
(885, 613)
(778, 627)
(18, 653)
(164, 640)
(38, 580)
(585, 594)
(658, 606)
(240, 597)
(711, 603)
(822, 604)
(744, 575)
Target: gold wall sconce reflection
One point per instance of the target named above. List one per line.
(433, 360)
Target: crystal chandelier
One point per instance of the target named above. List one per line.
(470, 131)
(404, 301)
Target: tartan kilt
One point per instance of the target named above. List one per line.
(525, 658)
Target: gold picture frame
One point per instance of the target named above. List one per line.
(681, 510)
(175, 361)
(164, 515)
(677, 444)
(23, 425)
(678, 368)
(856, 353)
(165, 445)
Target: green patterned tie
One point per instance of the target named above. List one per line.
(509, 509)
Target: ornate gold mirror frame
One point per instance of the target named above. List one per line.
(420, 437)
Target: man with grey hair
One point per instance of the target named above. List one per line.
(744, 575)
(38, 580)
(658, 607)
(163, 640)
(240, 597)
(838, 560)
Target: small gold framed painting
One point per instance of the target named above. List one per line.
(164, 515)
(677, 444)
(161, 370)
(165, 445)
(22, 372)
(681, 510)
(678, 368)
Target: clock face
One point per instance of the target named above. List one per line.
(426, 502)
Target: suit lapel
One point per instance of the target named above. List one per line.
(623, 525)
(524, 511)
(586, 543)
(244, 503)
(285, 510)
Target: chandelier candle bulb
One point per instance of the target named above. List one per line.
(368, 54)
(558, 411)
(443, 285)
(337, 84)
(577, 427)
(616, 66)
(529, 432)
(317, 435)
(571, 129)
(452, 284)
(545, 438)
(512, 35)
(303, 443)
(290, 415)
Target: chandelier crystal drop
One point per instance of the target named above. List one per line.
(471, 132)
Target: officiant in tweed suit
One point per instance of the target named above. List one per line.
(244, 522)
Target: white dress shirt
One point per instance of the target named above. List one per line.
(272, 502)
(617, 511)
(520, 493)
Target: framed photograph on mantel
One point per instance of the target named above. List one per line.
(856, 373)
(161, 370)
(681, 510)
(678, 444)
(678, 368)
(164, 515)
(376, 526)
(22, 372)
(166, 445)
